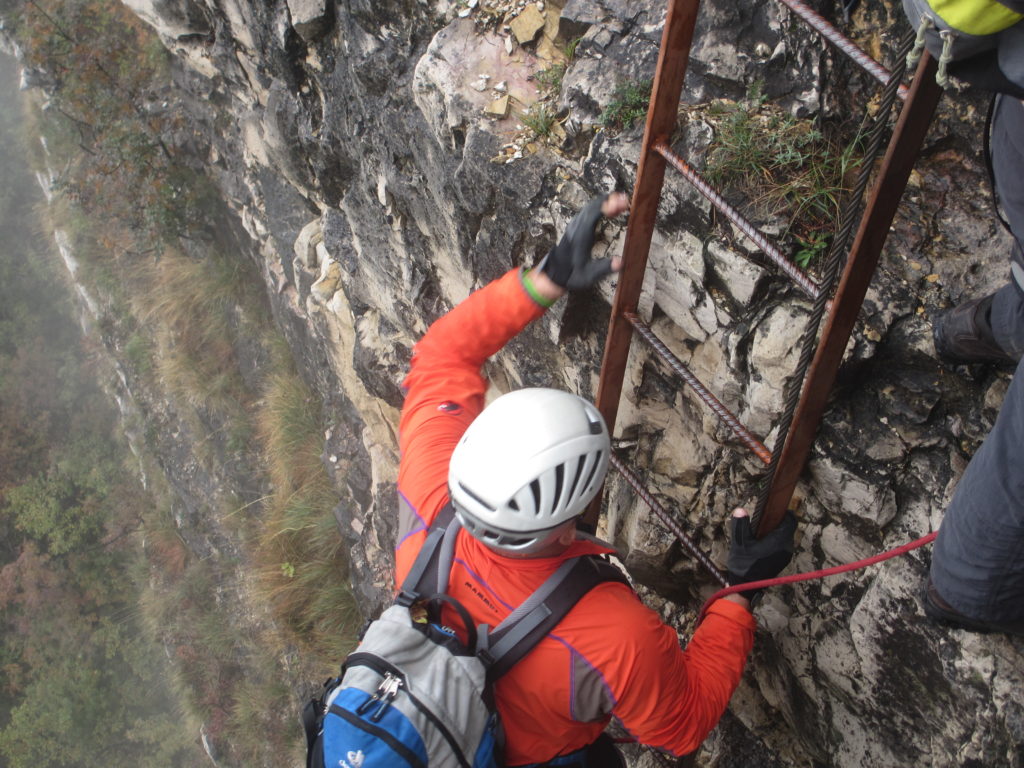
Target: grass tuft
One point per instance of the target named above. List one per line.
(550, 79)
(570, 48)
(540, 119)
(192, 308)
(787, 166)
(628, 105)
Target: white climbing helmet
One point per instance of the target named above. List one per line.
(530, 462)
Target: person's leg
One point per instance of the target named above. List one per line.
(1007, 316)
(978, 560)
(1007, 143)
(991, 329)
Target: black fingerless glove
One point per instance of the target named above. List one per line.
(568, 264)
(753, 559)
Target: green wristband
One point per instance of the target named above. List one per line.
(532, 291)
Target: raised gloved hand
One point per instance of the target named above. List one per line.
(753, 559)
(568, 264)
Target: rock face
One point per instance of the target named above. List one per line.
(352, 140)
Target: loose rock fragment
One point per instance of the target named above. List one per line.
(498, 107)
(527, 24)
(310, 18)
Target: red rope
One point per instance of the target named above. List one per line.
(901, 550)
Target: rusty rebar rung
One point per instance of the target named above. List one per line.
(688, 544)
(744, 435)
(771, 251)
(843, 43)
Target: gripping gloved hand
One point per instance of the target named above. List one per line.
(753, 559)
(568, 264)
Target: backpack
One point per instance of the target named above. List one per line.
(412, 694)
(959, 30)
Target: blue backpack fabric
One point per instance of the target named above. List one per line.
(412, 695)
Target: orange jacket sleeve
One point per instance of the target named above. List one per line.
(445, 392)
(666, 696)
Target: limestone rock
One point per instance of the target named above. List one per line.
(527, 24)
(736, 276)
(306, 244)
(774, 351)
(498, 108)
(458, 58)
(843, 491)
(173, 19)
(281, 134)
(330, 277)
(678, 265)
(310, 18)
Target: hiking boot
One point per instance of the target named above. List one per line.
(938, 609)
(964, 334)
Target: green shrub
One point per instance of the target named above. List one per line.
(570, 48)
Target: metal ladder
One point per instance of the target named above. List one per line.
(840, 308)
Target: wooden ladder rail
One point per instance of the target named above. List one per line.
(890, 182)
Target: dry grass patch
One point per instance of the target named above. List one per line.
(191, 305)
(303, 565)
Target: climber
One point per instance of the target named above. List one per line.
(976, 580)
(611, 655)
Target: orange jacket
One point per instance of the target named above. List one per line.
(611, 655)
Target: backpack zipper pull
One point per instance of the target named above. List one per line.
(382, 689)
(386, 694)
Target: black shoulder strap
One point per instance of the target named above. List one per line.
(502, 647)
(426, 578)
(313, 724)
(527, 625)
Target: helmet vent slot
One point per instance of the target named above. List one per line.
(535, 490)
(559, 482)
(476, 498)
(593, 468)
(580, 463)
